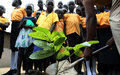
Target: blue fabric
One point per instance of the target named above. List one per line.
(36, 48)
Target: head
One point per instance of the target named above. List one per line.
(65, 6)
(78, 10)
(71, 6)
(60, 5)
(40, 4)
(50, 5)
(100, 8)
(16, 3)
(60, 13)
(82, 8)
(37, 14)
(2, 10)
(79, 2)
(29, 9)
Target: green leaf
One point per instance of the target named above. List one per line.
(39, 35)
(59, 56)
(43, 30)
(69, 48)
(57, 48)
(42, 54)
(64, 51)
(78, 46)
(93, 42)
(59, 41)
(42, 44)
(61, 34)
(54, 35)
(78, 53)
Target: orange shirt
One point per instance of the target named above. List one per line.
(3, 20)
(18, 14)
(73, 22)
(34, 13)
(59, 25)
(102, 20)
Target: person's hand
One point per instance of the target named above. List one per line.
(88, 53)
(110, 42)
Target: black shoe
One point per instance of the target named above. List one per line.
(14, 72)
(10, 72)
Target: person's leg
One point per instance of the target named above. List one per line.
(20, 58)
(88, 69)
(1, 43)
(94, 66)
(13, 66)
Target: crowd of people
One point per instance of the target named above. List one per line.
(71, 20)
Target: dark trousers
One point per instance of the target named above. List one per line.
(74, 39)
(23, 56)
(1, 42)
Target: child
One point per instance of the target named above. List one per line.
(65, 8)
(16, 16)
(40, 5)
(73, 22)
(48, 20)
(4, 22)
(60, 5)
(78, 10)
(60, 24)
(23, 40)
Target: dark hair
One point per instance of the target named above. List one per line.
(20, 2)
(2, 9)
(40, 0)
(49, 0)
(30, 5)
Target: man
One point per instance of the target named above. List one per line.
(91, 21)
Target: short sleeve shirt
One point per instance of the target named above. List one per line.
(46, 21)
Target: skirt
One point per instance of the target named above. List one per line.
(23, 39)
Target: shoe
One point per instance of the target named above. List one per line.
(14, 72)
(10, 72)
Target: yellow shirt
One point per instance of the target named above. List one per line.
(59, 26)
(18, 14)
(73, 22)
(46, 21)
(3, 20)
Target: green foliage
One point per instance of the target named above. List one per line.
(42, 44)
(42, 54)
(53, 43)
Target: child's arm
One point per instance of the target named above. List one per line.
(4, 25)
(53, 27)
(26, 26)
(22, 23)
(64, 28)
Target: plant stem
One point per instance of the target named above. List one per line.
(57, 64)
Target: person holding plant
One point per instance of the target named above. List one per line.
(4, 22)
(24, 42)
